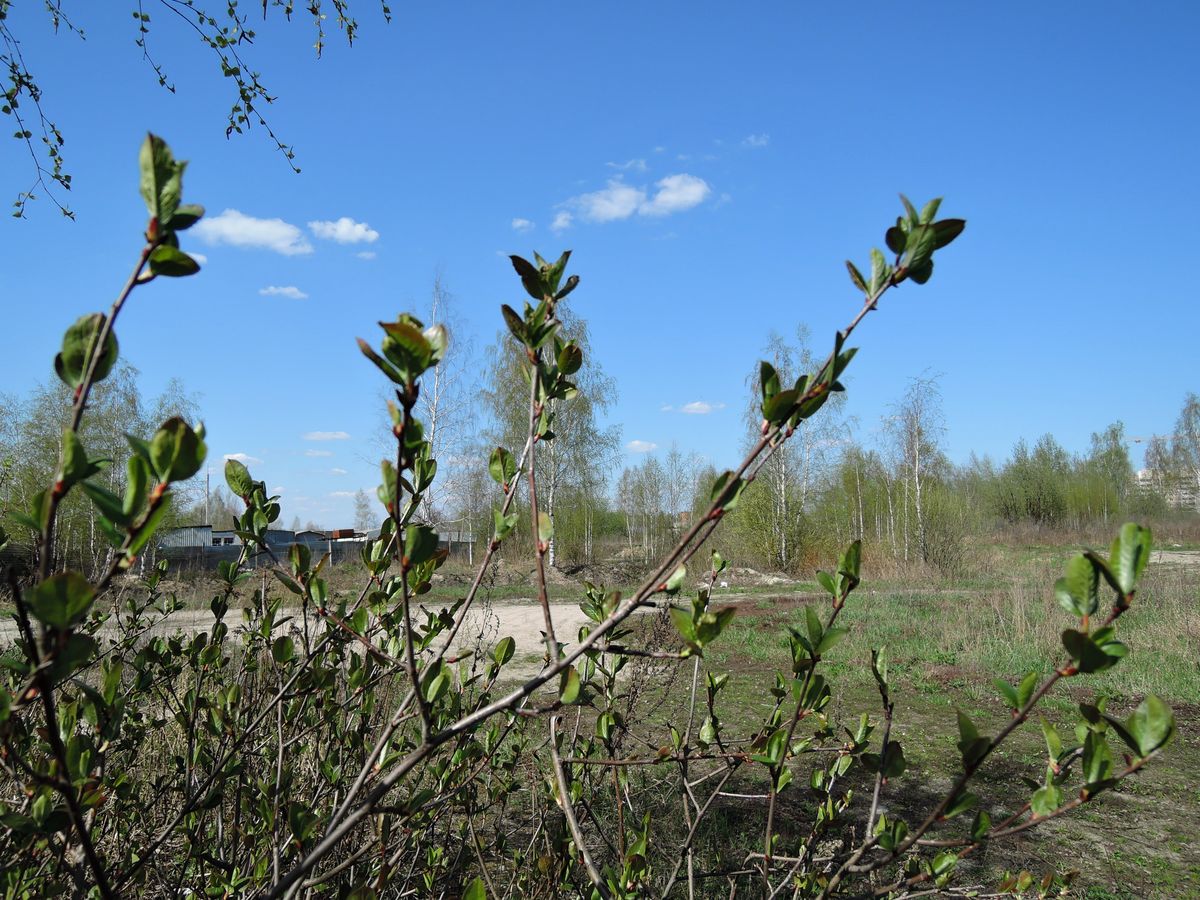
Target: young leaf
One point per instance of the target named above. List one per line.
(61, 600)
(568, 685)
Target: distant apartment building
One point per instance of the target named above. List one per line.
(1180, 492)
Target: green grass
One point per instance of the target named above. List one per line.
(945, 647)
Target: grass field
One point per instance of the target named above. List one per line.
(946, 644)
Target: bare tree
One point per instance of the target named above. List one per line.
(916, 427)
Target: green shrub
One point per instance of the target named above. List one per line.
(364, 745)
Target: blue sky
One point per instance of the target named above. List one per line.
(717, 163)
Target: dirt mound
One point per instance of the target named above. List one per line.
(610, 573)
(741, 576)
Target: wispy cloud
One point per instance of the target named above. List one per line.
(244, 458)
(290, 291)
(345, 231)
(636, 165)
(522, 225)
(700, 408)
(318, 453)
(342, 493)
(619, 200)
(676, 193)
(666, 407)
(366, 254)
(240, 230)
(562, 221)
(326, 436)
(199, 257)
(756, 141)
(641, 446)
(336, 471)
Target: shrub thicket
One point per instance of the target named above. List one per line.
(350, 746)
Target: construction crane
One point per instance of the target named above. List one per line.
(1147, 439)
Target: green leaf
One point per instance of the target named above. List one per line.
(1077, 591)
(929, 210)
(1087, 654)
(149, 526)
(881, 272)
(960, 804)
(137, 485)
(879, 666)
(1097, 758)
(515, 323)
(675, 581)
(919, 247)
(475, 890)
(504, 650)
(779, 407)
(76, 652)
(813, 623)
(1130, 553)
(531, 277)
(171, 262)
(947, 230)
(1053, 742)
(186, 216)
(283, 649)
(406, 347)
(177, 451)
(503, 524)
(545, 527)
(79, 343)
(161, 179)
(684, 624)
(1045, 800)
(970, 744)
(1152, 725)
(237, 476)
(826, 581)
(856, 277)
(107, 502)
(981, 826)
(568, 685)
(1026, 688)
(420, 545)
(61, 600)
(1008, 692)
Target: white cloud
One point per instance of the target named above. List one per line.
(617, 201)
(676, 193)
(345, 231)
(244, 458)
(756, 141)
(342, 493)
(637, 165)
(666, 407)
(240, 230)
(522, 225)
(366, 254)
(290, 291)
(279, 489)
(660, 149)
(318, 453)
(700, 408)
(326, 436)
(562, 221)
(199, 257)
(336, 471)
(640, 446)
